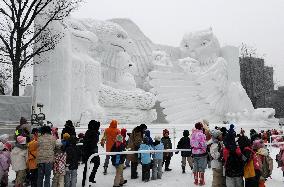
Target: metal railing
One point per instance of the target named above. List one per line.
(87, 182)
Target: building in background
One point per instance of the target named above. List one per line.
(257, 79)
(277, 102)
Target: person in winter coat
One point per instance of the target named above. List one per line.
(45, 156)
(68, 128)
(59, 165)
(148, 134)
(252, 166)
(109, 138)
(166, 140)
(145, 159)
(233, 163)
(216, 153)
(118, 161)
(198, 144)
(32, 158)
(123, 133)
(5, 161)
(184, 143)
(280, 158)
(19, 160)
(90, 147)
(23, 129)
(134, 142)
(157, 159)
(254, 135)
(261, 153)
(72, 162)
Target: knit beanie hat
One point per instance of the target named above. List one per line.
(119, 138)
(21, 140)
(198, 125)
(157, 138)
(23, 121)
(66, 136)
(165, 131)
(1, 146)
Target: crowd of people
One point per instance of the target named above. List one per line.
(235, 159)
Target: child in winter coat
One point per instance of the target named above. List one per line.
(118, 161)
(252, 167)
(184, 143)
(280, 158)
(166, 140)
(233, 163)
(32, 156)
(198, 144)
(59, 165)
(145, 159)
(216, 154)
(19, 160)
(109, 138)
(5, 161)
(157, 159)
(266, 162)
(72, 162)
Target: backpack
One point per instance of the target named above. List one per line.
(252, 165)
(267, 166)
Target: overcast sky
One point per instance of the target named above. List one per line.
(259, 23)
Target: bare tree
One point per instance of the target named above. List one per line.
(20, 32)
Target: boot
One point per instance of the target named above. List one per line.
(183, 169)
(195, 174)
(124, 182)
(105, 171)
(201, 177)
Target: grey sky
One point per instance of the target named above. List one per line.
(256, 22)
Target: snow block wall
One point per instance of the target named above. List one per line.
(12, 108)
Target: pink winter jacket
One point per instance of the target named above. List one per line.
(198, 142)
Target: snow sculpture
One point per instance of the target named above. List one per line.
(93, 89)
(203, 85)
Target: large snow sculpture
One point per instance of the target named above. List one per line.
(203, 85)
(90, 89)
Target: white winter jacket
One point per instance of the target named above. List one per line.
(19, 159)
(215, 154)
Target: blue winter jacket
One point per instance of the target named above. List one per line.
(145, 157)
(160, 146)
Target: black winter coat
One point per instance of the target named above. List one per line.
(184, 143)
(90, 143)
(167, 145)
(73, 157)
(70, 130)
(234, 166)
